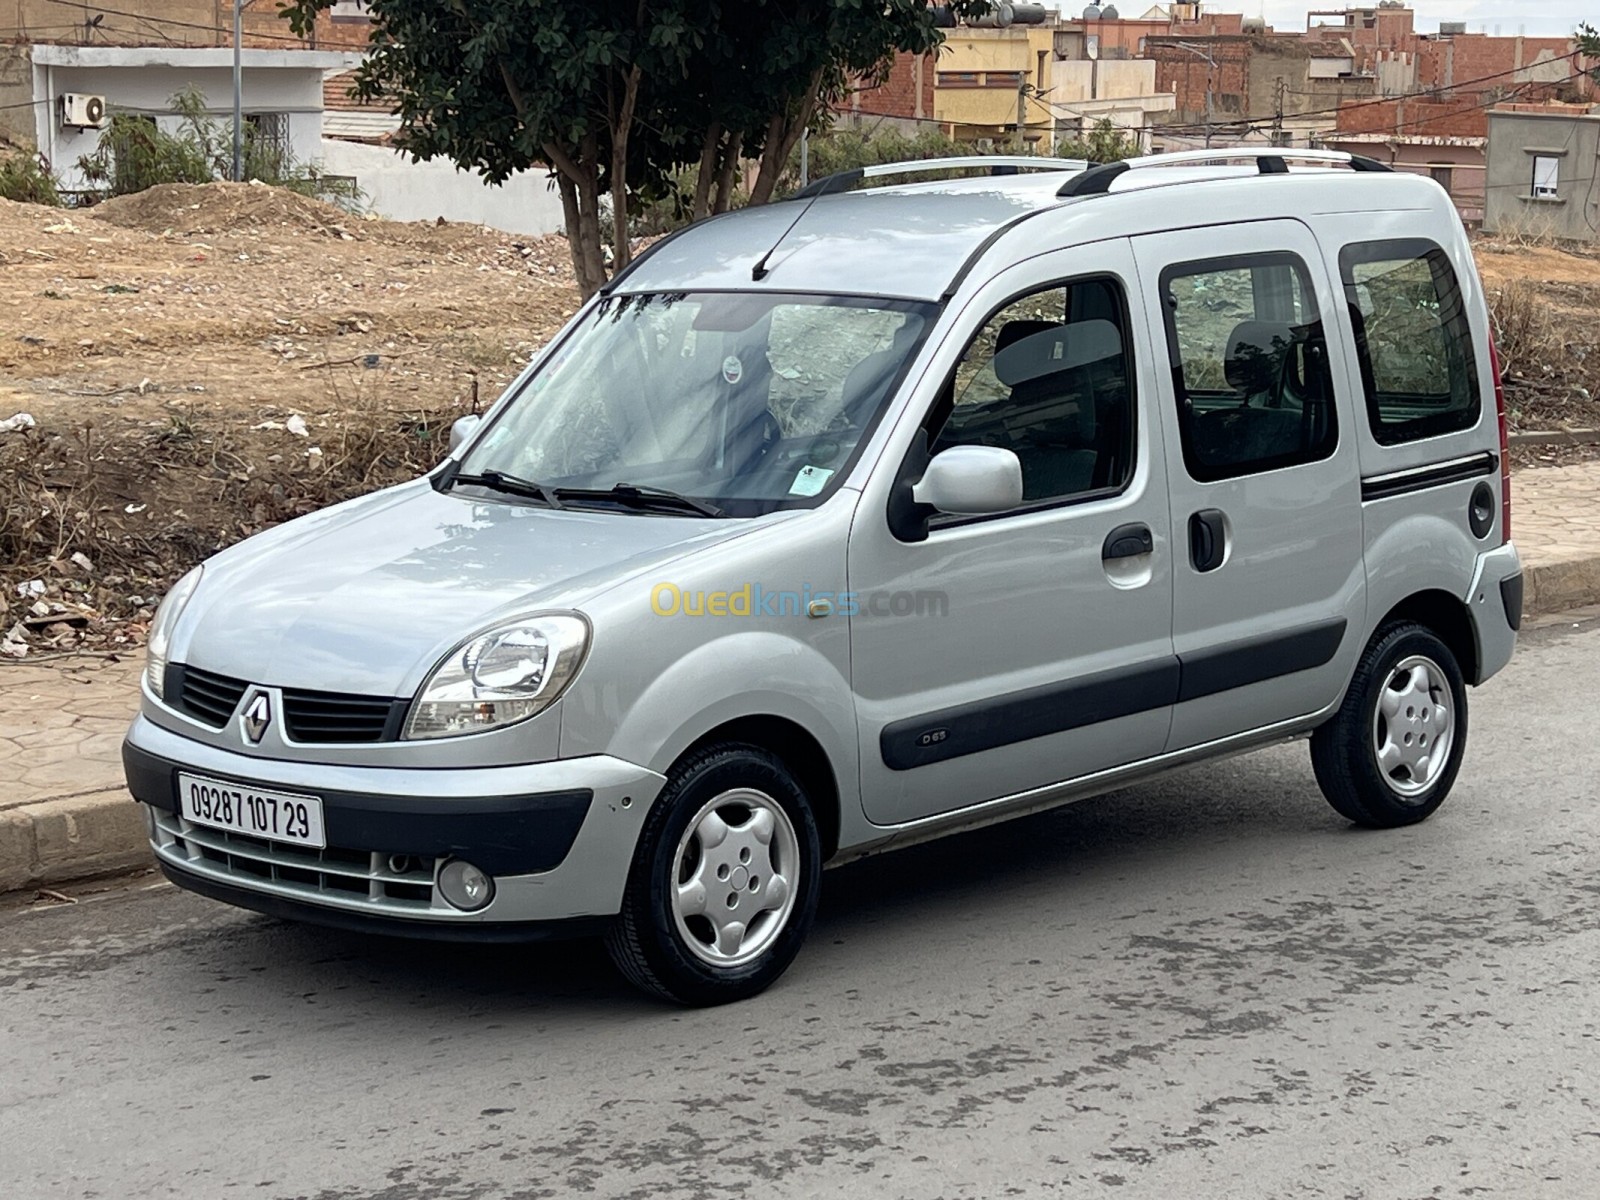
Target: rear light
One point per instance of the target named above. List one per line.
(1505, 444)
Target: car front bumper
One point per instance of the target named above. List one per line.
(558, 838)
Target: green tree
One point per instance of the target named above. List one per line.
(25, 178)
(1105, 143)
(614, 97)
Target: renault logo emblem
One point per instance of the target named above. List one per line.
(257, 717)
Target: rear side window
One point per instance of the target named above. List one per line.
(1249, 365)
(1412, 337)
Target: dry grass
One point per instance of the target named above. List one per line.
(81, 512)
(1549, 345)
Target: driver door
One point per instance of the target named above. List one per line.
(1011, 651)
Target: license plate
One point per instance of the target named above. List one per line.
(241, 808)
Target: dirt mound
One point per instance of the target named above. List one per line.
(223, 208)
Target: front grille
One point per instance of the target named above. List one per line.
(209, 699)
(331, 717)
(392, 883)
(313, 717)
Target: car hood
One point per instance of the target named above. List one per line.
(365, 597)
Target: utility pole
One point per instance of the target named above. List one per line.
(1277, 112)
(238, 92)
(1022, 110)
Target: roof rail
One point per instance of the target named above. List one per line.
(1269, 160)
(998, 164)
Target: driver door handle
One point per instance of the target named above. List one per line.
(1127, 541)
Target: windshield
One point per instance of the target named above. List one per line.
(749, 402)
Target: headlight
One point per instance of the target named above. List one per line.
(159, 643)
(500, 677)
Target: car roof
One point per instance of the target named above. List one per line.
(914, 241)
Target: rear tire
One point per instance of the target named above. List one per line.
(1389, 756)
(724, 881)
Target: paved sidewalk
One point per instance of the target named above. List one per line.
(64, 814)
(1555, 522)
(63, 811)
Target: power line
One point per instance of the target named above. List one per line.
(174, 22)
(1348, 106)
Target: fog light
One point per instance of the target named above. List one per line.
(149, 820)
(464, 886)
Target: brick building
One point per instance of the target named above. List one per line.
(1433, 118)
(178, 24)
(903, 97)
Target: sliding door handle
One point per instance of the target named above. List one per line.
(1208, 543)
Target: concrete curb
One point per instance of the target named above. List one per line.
(1552, 587)
(71, 837)
(1554, 437)
(64, 839)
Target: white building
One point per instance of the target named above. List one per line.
(283, 94)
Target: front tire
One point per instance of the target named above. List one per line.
(724, 881)
(1389, 756)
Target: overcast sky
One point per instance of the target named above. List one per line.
(1543, 18)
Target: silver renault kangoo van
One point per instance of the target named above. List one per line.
(849, 521)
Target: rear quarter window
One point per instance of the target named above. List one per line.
(1413, 339)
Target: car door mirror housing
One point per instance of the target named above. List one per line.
(971, 481)
(463, 429)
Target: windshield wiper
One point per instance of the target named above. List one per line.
(512, 485)
(640, 494)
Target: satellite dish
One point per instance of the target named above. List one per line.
(1092, 13)
(1109, 13)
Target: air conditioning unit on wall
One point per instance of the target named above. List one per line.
(79, 111)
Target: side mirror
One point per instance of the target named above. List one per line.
(462, 430)
(971, 481)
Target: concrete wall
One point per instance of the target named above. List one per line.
(1292, 62)
(1515, 138)
(1072, 81)
(406, 191)
(16, 95)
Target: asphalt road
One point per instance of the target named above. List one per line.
(1210, 986)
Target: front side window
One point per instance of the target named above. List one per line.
(1412, 337)
(1049, 377)
(748, 402)
(1249, 365)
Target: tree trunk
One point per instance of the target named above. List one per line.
(782, 137)
(589, 212)
(729, 167)
(708, 172)
(621, 124)
(578, 178)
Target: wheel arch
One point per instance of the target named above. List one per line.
(800, 751)
(1448, 618)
